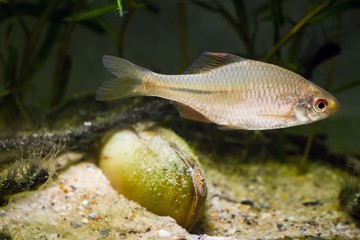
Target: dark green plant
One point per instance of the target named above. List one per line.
(34, 30)
(6, 233)
(349, 197)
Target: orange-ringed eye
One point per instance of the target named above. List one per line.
(320, 105)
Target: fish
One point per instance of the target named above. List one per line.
(225, 89)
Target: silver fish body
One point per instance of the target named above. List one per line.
(228, 90)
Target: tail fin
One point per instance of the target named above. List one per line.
(128, 81)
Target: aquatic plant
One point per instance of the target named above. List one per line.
(349, 197)
(28, 45)
(28, 174)
(6, 233)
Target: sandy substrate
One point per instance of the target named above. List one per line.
(270, 201)
(266, 201)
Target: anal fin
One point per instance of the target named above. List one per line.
(189, 113)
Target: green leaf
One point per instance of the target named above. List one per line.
(4, 92)
(121, 12)
(335, 9)
(101, 10)
(107, 28)
(92, 13)
(296, 28)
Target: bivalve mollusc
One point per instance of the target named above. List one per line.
(157, 169)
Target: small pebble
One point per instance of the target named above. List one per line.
(93, 215)
(302, 229)
(87, 123)
(76, 224)
(163, 233)
(281, 227)
(312, 203)
(105, 232)
(54, 236)
(247, 202)
(43, 237)
(84, 220)
(85, 203)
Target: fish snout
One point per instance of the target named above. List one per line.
(333, 105)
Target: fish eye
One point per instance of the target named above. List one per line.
(320, 105)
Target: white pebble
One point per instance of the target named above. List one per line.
(54, 236)
(163, 233)
(85, 203)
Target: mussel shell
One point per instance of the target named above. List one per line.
(157, 169)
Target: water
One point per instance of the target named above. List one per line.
(50, 69)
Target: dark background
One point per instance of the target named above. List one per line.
(45, 60)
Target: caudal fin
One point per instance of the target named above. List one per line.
(127, 83)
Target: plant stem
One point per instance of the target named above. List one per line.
(63, 61)
(277, 19)
(122, 30)
(295, 29)
(26, 64)
(183, 36)
(303, 165)
(332, 63)
(240, 26)
(121, 13)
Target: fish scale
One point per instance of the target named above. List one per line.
(227, 90)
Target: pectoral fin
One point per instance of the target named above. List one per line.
(189, 113)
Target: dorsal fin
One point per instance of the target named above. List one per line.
(189, 113)
(209, 61)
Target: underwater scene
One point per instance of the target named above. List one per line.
(179, 119)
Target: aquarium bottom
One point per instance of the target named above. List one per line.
(266, 201)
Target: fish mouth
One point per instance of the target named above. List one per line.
(333, 105)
